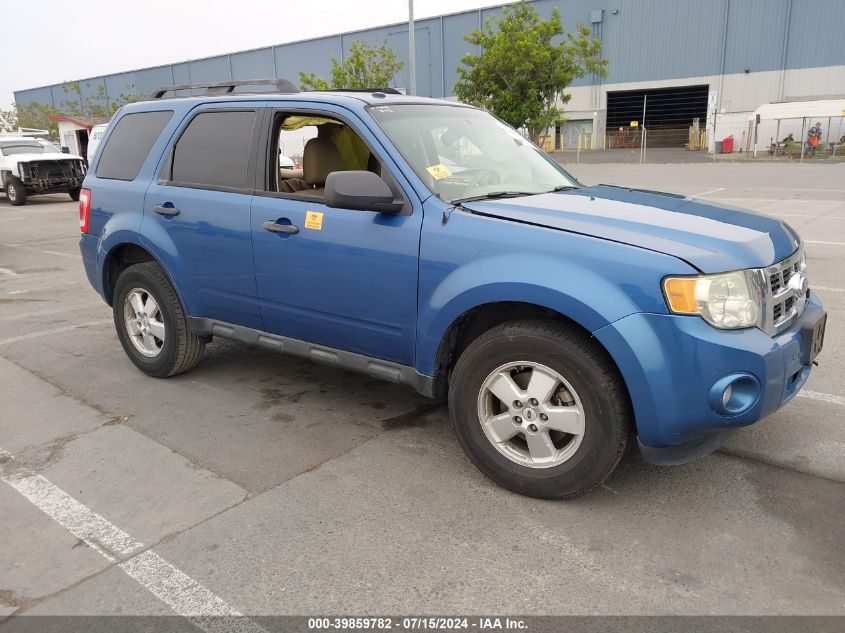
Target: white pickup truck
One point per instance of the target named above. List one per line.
(31, 166)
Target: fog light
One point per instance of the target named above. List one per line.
(734, 394)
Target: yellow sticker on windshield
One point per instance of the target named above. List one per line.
(438, 171)
(314, 220)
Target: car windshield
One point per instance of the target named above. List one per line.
(21, 147)
(49, 148)
(463, 153)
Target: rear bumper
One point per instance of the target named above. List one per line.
(88, 245)
(676, 366)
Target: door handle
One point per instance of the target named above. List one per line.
(275, 227)
(166, 211)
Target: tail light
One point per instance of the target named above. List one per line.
(84, 209)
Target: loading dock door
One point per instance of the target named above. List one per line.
(669, 113)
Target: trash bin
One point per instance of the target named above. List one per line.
(728, 145)
(718, 147)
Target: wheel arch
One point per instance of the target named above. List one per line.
(119, 257)
(472, 323)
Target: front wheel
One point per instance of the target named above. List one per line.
(15, 192)
(151, 324)
(540, 409)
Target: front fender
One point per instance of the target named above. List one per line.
(498, 279)
(473, 260)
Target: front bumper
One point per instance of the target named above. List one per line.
(670, 364)
(51, 176)
(52, 185)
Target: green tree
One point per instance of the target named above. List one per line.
(9, 119)
(364, 67)
(78, 103)
(88, 103)
(525, 65)
(37, 116)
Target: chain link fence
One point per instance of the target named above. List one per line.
(737, 137)
(798, 139)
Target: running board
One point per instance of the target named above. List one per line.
(375, 367)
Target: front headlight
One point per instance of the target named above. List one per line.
(726, 300)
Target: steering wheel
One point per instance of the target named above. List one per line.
(483, 177)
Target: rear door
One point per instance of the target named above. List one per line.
(200, 209)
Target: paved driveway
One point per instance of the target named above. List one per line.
(262, 484)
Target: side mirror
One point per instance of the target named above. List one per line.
(65, 149)
(360, 190)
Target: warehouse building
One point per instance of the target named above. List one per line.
(674, 66)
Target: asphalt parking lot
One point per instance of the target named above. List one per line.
(261, 484)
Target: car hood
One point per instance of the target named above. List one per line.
(32, 158)
(710, 237)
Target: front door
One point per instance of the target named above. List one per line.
(341, 278)
(202, 203)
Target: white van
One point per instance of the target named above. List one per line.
(94, 138)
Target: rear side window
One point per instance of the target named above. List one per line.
(129, 144)
(214, 150)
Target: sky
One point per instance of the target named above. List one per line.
(85, 38)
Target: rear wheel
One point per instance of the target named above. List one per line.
(540, 409)
(151, 324)
(15, 192)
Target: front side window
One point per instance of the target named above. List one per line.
(129, 144)
(214, 150)
(462, 152)
(306, 148)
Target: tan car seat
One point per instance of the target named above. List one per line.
(319, 159)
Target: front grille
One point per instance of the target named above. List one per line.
(784, 302)
(55, 169)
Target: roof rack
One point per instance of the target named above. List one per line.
(387, 91)
(227, 87)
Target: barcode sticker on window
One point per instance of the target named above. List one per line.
(438, 171)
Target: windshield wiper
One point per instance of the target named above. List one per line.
(562, 188)
(495, 194)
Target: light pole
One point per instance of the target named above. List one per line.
(412, 53)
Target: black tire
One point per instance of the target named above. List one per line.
(74, 194)
(181, 349)
(590, 372)
(15, 192)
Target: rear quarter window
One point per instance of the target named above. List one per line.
(129, 144)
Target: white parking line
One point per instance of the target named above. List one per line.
(8, 272)
(169, 584)
(112, 542)
(824, 397)
(46, 252)
(704, 193)
(790, 189)
(823, 242)
(805, 215)
(58, 330)
(827, 289)
(37, 242)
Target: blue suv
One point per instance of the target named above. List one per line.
(425, 242)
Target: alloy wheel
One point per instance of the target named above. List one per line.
(144, 322)
(531, 414)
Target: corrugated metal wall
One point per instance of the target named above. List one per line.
(644, 40)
